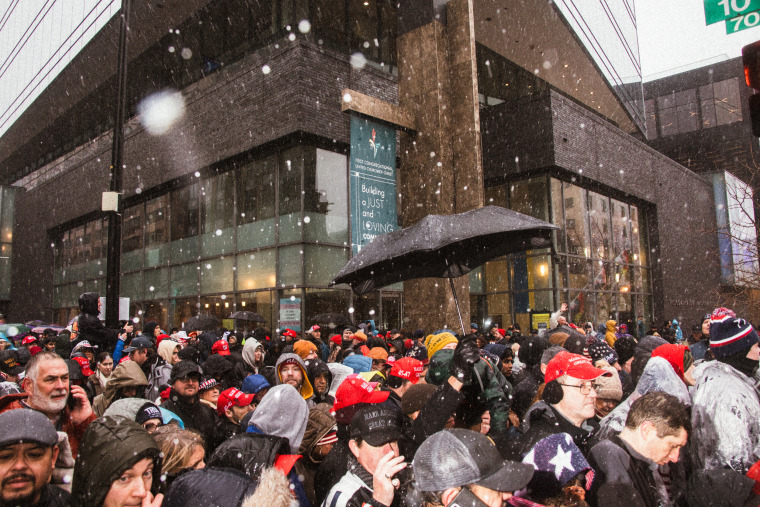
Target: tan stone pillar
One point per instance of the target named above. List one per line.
(441, 169)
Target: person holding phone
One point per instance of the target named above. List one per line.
(375, 461)
(46, 382)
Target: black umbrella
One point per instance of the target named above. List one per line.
(203, 323)
(249, 316)
(330, 319)
(444, 246)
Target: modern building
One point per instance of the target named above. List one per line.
(244, 203)
(700, 118)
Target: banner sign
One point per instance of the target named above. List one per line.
(290, 314)
(372, 180)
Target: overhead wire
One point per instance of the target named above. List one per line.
(5, 114)
(8, 13)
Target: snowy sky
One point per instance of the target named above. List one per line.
(673, 37)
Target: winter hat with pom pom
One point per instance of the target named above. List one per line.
(730, 335)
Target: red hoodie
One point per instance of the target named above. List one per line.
(674, 354)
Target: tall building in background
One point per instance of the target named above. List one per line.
(701, 119)
(245, 201)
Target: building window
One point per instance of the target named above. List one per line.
(224, 235)
(598, 264)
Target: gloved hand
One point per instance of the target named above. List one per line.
(465, 356)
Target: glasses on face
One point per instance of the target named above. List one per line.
(584, 388)
(151, 427)
(189, 378)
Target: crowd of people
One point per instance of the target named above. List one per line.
(569, 416)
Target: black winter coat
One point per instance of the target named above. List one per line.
(193, 413)
(90, 327)
(614, 462)
(542, 421)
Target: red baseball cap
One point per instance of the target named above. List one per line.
(573, 365)
(84, 365)
(290, 332)
(221, 347)
(233, 398)
(336, 339)
(408, 368)
(355, 390)
(28, 339)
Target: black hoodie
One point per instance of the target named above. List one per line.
(110, 446)
(90, 327)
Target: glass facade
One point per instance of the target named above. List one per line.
(703, 107)
(223, 33)
(240, 238)
(598, 262)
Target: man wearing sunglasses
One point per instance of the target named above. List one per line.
(568, 405)
(184, 399)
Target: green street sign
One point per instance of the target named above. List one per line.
(719, 10)
(749, 20)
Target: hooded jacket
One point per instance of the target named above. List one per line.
(609, 336)
(724, 417)
(315, 368)
(643, 352)
(282, 413)
(209, 486)
(658, 375)
(110, 446)
(127, 374)
(90, 327)
(307, 391)
(249, 355)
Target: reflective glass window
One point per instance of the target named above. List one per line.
(217, 214)
(216, 275)
(621, 235)
(291, 265)
(156, 283)
(184, 223)
(256, 270)
(184, 280)
(291, 165)
(576, 220)
(322, 263)
(326, 198)
(157, 231)
(261, 302)
(599, 219)
(256, 204)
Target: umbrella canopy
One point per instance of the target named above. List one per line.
(330, 319)
(443, 246)
(35, 323)
(202, 323)
(249, 316)
(41, 329)
(14, 329)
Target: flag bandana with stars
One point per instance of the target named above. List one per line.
(559, 455)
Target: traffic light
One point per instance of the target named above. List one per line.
(751, 60)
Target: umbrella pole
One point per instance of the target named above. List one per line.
(456, 301)
(464, 332)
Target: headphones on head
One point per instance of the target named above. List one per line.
(553, 393)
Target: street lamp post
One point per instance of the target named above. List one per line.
(113, 267)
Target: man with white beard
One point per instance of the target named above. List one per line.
(46, 382)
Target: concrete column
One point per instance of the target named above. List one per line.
(441, 164)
